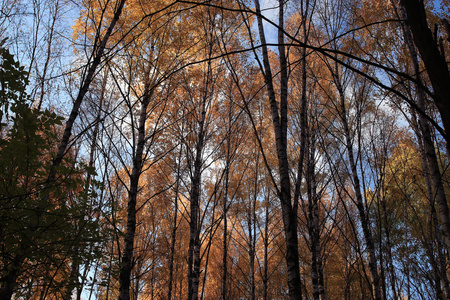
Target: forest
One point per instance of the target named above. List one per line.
(224, 149)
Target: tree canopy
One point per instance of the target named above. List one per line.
(214, 149)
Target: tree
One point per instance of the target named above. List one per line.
(279, 114)
(246, 149)
(434, 58)
(37, 223)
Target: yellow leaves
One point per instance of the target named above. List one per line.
(94, 17)
(404, 176)
(405, 158)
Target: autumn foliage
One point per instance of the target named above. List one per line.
(224, 150)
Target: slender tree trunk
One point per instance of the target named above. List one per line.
(196, 180)
(73, 280)
(347, 273)
(280, 120)
(381, 253)
(127, 260)
(137, 280)
(251, 249)
(442, 271)
(97, 56)
(389, 252)
(195, 225)
(312, 203)
(266, 247)
(225, 240)
(225, 223)
(359, 197)
(194, 241)
(383, 219)
(174, 229)
(49, 53)
(313, 225)
(211, 233)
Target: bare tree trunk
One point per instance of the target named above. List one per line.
(389, 251)
(212, 231)
(280, 120)
(313, 224)
(266, 247)
(196, 180)
(437, 70)
(87, 80)
(194, 241)
(195, 225)
(75, 272)
(49, 54)
(127, 260)
(251, 223)
(225, 237)
(312, 207)
(383, 219)
(359, 197)
(430, 163)
(225, 219)
(440, 272)
(174, 228)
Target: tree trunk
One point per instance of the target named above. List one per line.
(437, 70)
(195, 226)
(251, 247)
(225, 240)
(359, 198)
(391, 269)
(127, 259)
(194, 240)
(440, 271)
(62, 148)
(49, 54)
(313, 224)
(225, 226)
(174, 229)
(8, 280)
(430, 164)
(280, 120)
(266, 247)
(74, 273)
